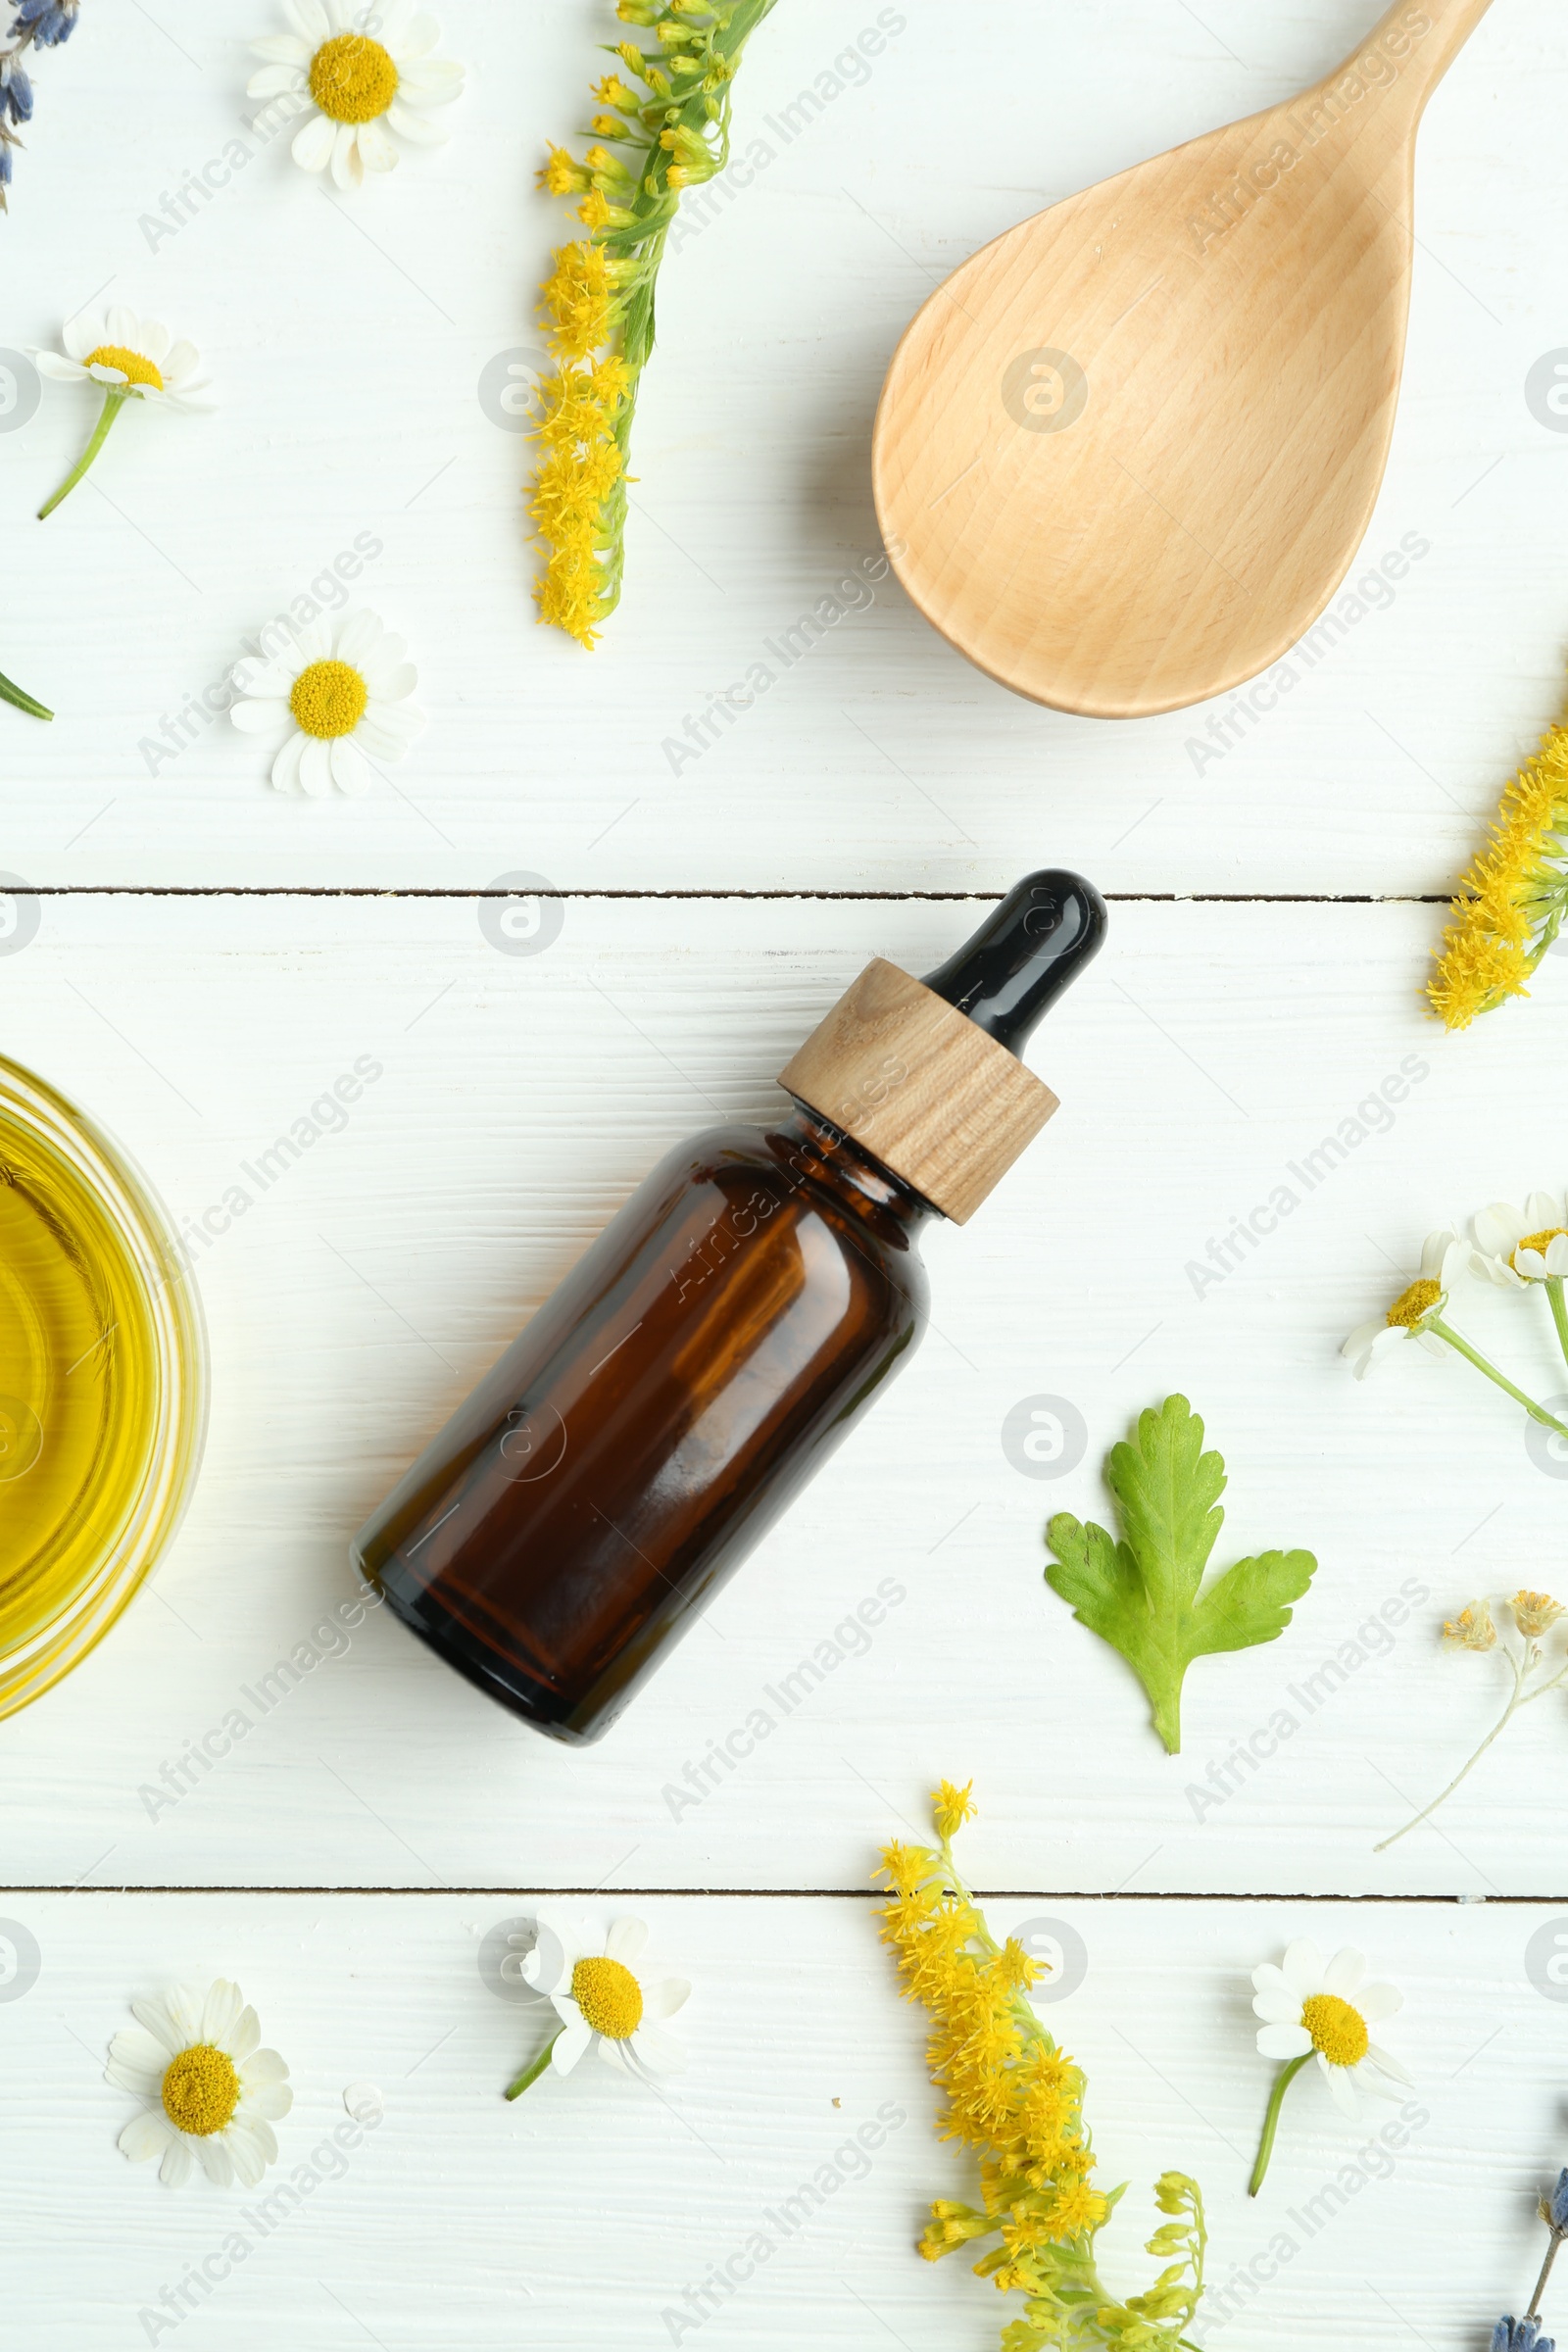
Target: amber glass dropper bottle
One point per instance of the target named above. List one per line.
(727, 1331)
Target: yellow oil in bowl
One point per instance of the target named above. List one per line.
(103, 1387)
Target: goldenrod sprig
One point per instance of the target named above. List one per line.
(664, 125)
(1016, 2099)
(1519, 894)
(1536, 1670)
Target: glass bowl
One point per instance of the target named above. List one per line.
(103, 1385)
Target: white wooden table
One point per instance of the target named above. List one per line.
(210, 957)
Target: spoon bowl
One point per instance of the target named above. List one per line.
(1126, 455)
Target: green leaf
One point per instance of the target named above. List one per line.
(1145, 1595)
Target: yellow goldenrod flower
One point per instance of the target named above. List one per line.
(560, 173)
(1518, 890)
(1472, 1629)
(1016, 2102)
(953, 1807)
(598, 302)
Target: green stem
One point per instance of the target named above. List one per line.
(114, 402)
(531, 2073)
(1271, 2121)
(1499, 1727)
(1559, 1312)
(1537, 1412)
(12, 693)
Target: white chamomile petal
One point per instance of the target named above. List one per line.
(122, 326)
(1303, 1967)
(262, 2066)
(310, 21)
(1378, 2001)
(146, 2135)
(273, 81)
(1343, 1974)
(1341, 2087)
(216, 2163)
(283, 49)
(358, 638)
(389, 678)
(259, 717)
(570, 2045)
(175, 2168)
(314, 142)
(1277, 2008)
(133, 2047)
(316, 769)
(153, 341)
(419, 36)
(377, 148)
(626, 1942)
(348, 172)
(667, 1998)
(286, 766)
(79, 338)
(659, 2051)
(60, 371)
(404, 119)
(1380, 2060)
(1282, 2040)
(352, 772)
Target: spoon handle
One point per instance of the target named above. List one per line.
(1419, 43)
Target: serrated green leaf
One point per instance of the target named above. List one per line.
(1145, 1594)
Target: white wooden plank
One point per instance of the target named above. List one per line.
(582, 2215)
(354, 1304)
(348, 350)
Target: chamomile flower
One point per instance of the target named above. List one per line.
(1323, 2009)
(213, 2096)
(1515, 1246)
(132, 359)
(366, 78)
(605, 1999)
(1444, 1260)
(343, 693)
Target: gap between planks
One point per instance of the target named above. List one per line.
(911, 898)
(800, 1895)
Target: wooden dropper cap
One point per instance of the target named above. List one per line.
(924, 1074)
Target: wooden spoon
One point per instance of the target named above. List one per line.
(1126, 454)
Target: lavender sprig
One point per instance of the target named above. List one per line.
(40, 24)
(1523, 2335)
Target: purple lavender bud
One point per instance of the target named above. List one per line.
(1520, 2335)
(16, 92)
(1557, 2207)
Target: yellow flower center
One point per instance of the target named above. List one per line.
(608, 1997)
(200, 2090)
(1338, 2031)
(1537, 1241)
(353, 79)
(133, 364)
(329, 698)
(1413, 1305)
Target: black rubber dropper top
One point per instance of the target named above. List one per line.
(1035, 945)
